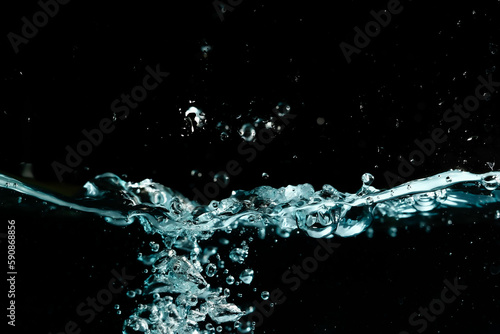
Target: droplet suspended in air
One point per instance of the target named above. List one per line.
(493, 48)
(230, 279)
(367, 179)
(195, 118)
(211, 270)
(246, 276)
(248, 132)
(222, 178)
(264, 295)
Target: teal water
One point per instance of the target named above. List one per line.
(181, 298)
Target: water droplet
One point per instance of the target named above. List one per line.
(495, 268)
(367, 179)
(154, 246)
(265, 176)
(369, 232)
(320, 120)
(238, 255)
(222, 178)
(230, 279)
(425, 201)
(393, 232)
(493, 48)
(206, 48)
(265, 295)
(211, 270)
(131, 294)
(246, 276)
(247, 132)
(195, 118)
(224, 136)
(282, 109)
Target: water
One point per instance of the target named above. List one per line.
(185, 299)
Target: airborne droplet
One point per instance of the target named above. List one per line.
(247, 132)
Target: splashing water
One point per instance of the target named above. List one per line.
(182, 297)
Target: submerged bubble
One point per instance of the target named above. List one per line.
(490, 182)
(425, 201)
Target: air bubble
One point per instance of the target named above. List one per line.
(490, 182)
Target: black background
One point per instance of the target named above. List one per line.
(393, 92)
